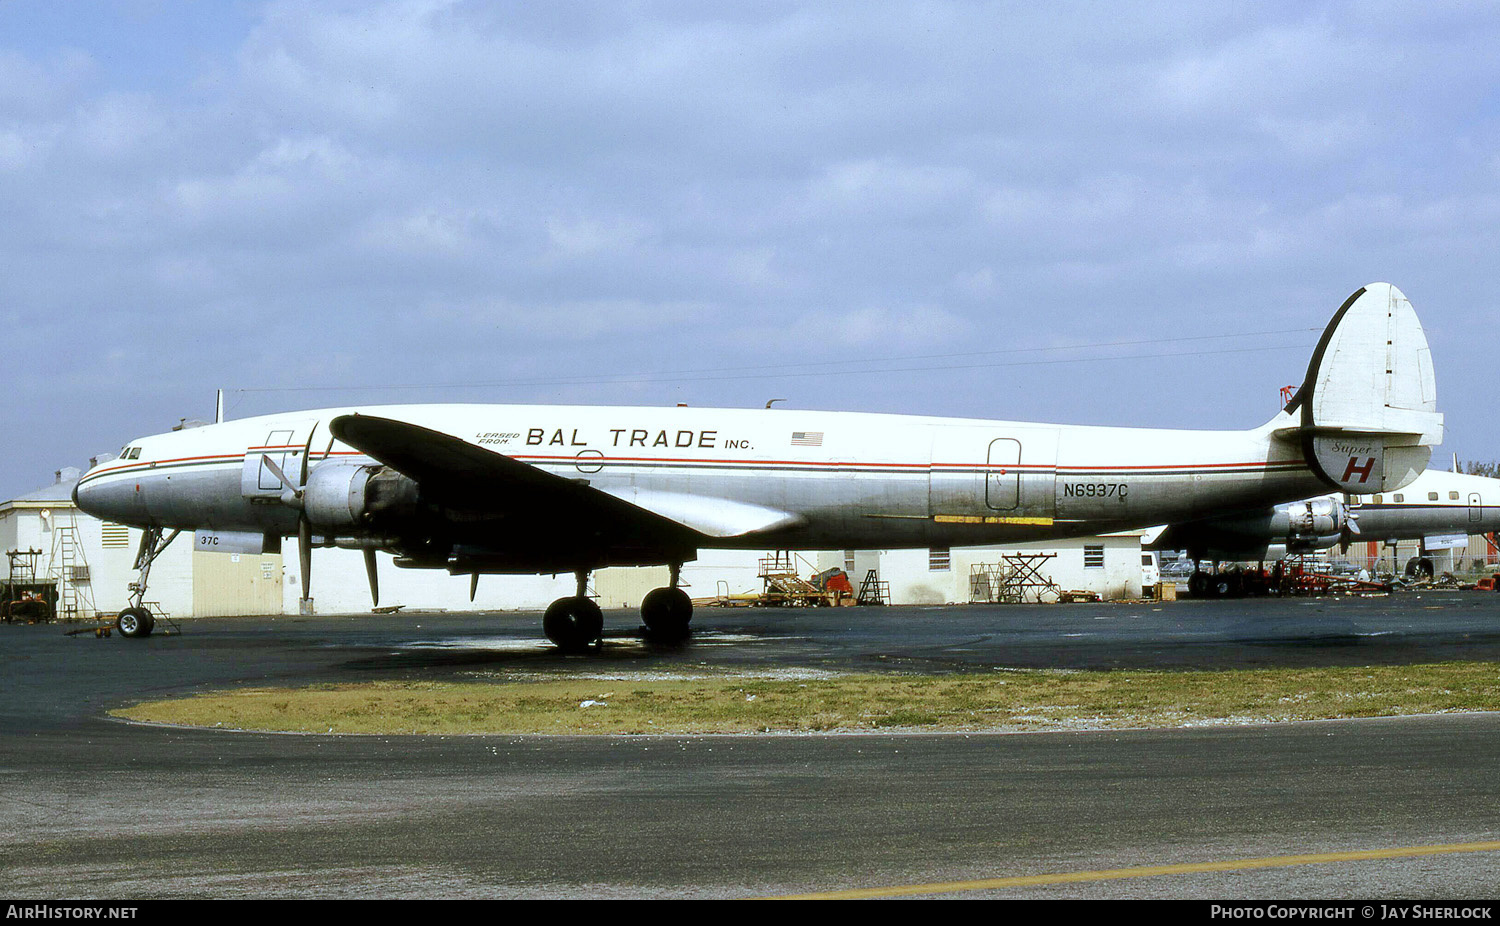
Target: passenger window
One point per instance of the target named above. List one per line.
(1377, 499)
(1432, 496)
(1453, 496)
(1400, 497)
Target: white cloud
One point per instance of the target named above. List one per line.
(582, 236)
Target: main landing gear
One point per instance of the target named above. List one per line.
(574, 624)
(667, 611)
(1217, 584)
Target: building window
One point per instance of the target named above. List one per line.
(1093, 557)
(939, 560)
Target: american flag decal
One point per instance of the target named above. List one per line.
(807, 438)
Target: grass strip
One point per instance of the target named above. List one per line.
(1018, 700)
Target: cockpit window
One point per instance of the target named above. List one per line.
(131, 453)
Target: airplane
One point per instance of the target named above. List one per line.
(1433, 508)
(532, 489)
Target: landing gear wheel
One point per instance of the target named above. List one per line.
(1226, 585)
(666, 613)
(135, 622)
(1198, 584)
(573, 623)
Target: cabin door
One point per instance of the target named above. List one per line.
(286, 449)
(1002, 481)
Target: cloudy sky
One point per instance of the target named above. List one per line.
(1084, 213)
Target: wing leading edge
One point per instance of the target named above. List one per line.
(456, 473)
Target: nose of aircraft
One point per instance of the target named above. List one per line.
(109, 499)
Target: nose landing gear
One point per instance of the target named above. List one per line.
(137, 619)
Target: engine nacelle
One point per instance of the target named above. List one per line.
(1315, 524)
(344, 496)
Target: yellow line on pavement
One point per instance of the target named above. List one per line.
(1150, 871)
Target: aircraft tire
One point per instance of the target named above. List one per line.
(666, 613)
(573, 623)
(1198, 584)
(135, 622)
(1223, 585)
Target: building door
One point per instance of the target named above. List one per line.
(236, 584)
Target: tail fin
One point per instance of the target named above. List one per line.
(1369, 417)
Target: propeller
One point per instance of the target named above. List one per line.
(294, 497)
(304, 526)
(1351, 528)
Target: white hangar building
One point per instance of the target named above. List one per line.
(92, 563)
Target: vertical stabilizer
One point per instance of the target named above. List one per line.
(1368, 406)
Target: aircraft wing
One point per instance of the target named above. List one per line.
(454, 472)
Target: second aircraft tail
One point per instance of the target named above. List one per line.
(1366, 413)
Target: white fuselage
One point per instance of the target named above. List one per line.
(845, 479)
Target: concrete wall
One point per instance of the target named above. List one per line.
(110, 561)
(914, 582)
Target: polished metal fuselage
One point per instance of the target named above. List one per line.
(848, 480)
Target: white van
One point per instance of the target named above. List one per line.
(1150, 570)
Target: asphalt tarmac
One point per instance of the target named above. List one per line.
(91, 807)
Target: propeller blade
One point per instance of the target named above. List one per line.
(307, 458)
(270, 464)
(374, 580)
(304, 555)
(473, 586)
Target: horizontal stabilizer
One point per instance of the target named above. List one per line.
(1368, 407)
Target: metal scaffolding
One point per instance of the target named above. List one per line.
(1016, 579)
